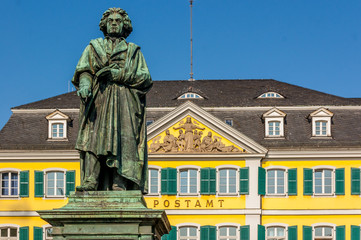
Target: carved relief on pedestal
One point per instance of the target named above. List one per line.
(190, 136)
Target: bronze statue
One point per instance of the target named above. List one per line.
(112, 79)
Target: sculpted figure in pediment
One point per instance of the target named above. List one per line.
(188, 128)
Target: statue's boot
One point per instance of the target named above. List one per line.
(91, 172)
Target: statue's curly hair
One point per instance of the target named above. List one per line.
(127, 23)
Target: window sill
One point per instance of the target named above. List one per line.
(275, 137)
(55, 197)
(152, 195)
(10, 197)
(321, 137)
(57, 140)
(228, 194)
(324, 195)
(276, 195)
(188, 194)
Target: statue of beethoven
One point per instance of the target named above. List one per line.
(112, 79)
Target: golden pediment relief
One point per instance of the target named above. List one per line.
(191, 136)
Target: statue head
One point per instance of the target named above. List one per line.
(116, 23)
(189, 120)
(167, 132)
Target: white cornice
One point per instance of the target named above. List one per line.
(214, 212)
(313, 154)
(69, 110)
(300, 212)
(207, 157)
(168, 109)
(311, 212)
(72, 155)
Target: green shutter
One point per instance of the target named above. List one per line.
(355, 181)
(169, 181)
(24, 233)
(261, 181)
(340, 181)
(244, 232)
(208, 233)
(173, 233)
(355, 232)
(208, 181)
(307, 181)
(244, 180)
(307, 233)
(39, 183)
(261, 232)
(38, 233)
(292, 233)
(24, 184)
(292, 182)
(70, 182)
(340, 233)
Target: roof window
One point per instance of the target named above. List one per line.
(270, 95)
(190, 95)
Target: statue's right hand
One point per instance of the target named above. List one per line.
(84, 92)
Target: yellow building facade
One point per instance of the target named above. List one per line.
(220, 172)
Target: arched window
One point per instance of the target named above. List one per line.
(323, 233)
(190, 95)
(270, 95)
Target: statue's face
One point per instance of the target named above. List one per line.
(188, 120)
(114, 25)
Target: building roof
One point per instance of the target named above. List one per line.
(216, 93)
(29, 129)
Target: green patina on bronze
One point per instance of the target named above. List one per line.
(112, 79)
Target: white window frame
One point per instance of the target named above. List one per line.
(44, 232)
(184, 168)
(274, 115)
(157, 168)
(9, 170)
(195, 225)
(327, 120)
(268, 95)
(324, 115)
(281, 168)
(50, 170)
(330, 225)
(190, 95)
(225, 167)
(235, 225)
(333, 180)
(277, 225)
(57, 117)
(11, 226)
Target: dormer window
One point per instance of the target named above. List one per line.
(321, 122)
(57, 125)
(190, 95)
(270, 95)
(274, 123)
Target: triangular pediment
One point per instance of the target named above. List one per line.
(190, 129)
(321, 112)
(57, 115)
(274, 112)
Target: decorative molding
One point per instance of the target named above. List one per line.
(69, 110)
(26, 155)
(215, 212)
(213, 123)
(311, 155)
(303, 212)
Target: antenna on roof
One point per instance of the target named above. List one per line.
(191, 73)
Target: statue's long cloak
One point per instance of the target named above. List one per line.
(112, 120)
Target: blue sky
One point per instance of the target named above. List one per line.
(310, 43)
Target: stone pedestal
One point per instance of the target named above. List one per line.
(106, 215)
